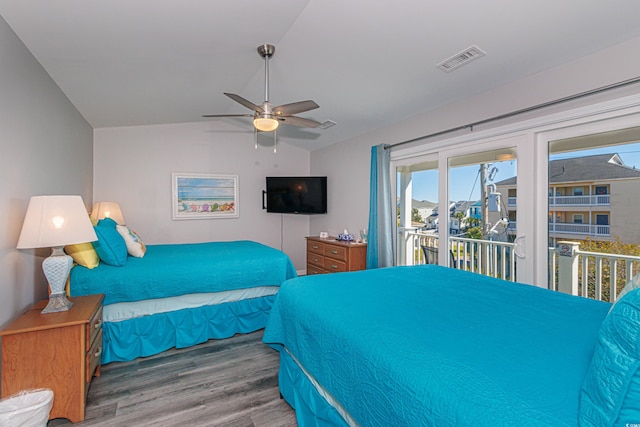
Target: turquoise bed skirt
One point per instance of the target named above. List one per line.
(311, 408)
(148, 335)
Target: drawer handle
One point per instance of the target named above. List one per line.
(334, 266)
(316, 259)
(98, 353)
(334, 252)
(315, 247)
(97, 324)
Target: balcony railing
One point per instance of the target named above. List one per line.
(595, 200)
(486, 257)
(573, 228)
(594, 275)
(570, 228)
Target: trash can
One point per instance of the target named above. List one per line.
(28, 408)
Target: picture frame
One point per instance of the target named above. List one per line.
(204, 196)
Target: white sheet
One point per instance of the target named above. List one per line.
(129, 310)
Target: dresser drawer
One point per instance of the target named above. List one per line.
(93, 358)
(314, 269)
(335, 252)
(315, 247)
(315, 259)
(333, 265)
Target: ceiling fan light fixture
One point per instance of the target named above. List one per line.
(265, 124)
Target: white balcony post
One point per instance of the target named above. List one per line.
(407, 249)
(568, 267)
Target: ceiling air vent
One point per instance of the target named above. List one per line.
(460, 59)
(327, 124)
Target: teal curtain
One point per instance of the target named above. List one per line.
(380, 250)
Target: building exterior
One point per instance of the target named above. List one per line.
(596, 197)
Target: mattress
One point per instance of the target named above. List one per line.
(429, 345)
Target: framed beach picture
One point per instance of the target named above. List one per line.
(204, 196)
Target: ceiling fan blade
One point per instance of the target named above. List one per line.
(299, 121)
(227, 115)
(295, 108)
(240, 100)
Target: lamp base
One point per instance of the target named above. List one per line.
(57, 303)
(56, 269)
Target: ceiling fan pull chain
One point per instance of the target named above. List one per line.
(255, 137)
(275, 143)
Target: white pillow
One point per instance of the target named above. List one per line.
(135, 247)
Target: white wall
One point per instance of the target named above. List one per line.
(45, 148)
(347, 163)
(133, 166)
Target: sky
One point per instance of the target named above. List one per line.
(465, 181)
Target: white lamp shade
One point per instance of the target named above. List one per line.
(53, 221)
(102, 210)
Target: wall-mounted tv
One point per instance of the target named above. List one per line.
(297, 194)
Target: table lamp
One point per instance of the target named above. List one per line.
(56, 221)
(111, 210)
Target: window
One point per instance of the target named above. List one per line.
(578, 218)
(602, 219)
(577, 191)
(601, 190)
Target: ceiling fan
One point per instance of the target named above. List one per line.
(266, 117)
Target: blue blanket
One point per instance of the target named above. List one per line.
(429, 345)
(171, 270)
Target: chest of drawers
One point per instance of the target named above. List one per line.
(332, 256)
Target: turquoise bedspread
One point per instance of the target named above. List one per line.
(429, 345)
(171, 270)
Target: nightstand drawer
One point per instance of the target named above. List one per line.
(336, 252)
(315, 247)
(93, 358)
(334, 265)
(94, 327)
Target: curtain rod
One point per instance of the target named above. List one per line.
(522, 111)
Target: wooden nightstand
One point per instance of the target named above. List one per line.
(333, 256)
(60, 351)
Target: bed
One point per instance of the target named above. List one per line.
(434, 346)
(180, 295)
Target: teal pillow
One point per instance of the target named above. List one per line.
(110, 246)
(610, 394)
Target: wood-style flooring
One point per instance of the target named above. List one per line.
(230, 382)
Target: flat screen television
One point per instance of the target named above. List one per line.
(297, 194)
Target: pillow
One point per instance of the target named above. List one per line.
(135, 247)
(110, 246)
(631, 285)
(611, 388)
(83, 254)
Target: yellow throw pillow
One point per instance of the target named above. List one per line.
(83, 254)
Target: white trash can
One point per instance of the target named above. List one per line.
(28, 408)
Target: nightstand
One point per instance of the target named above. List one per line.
(60, 351)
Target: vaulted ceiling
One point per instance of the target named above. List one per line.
(366, 63)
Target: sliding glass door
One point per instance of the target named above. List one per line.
(594, 200)
(482, 212)
(417, 209)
